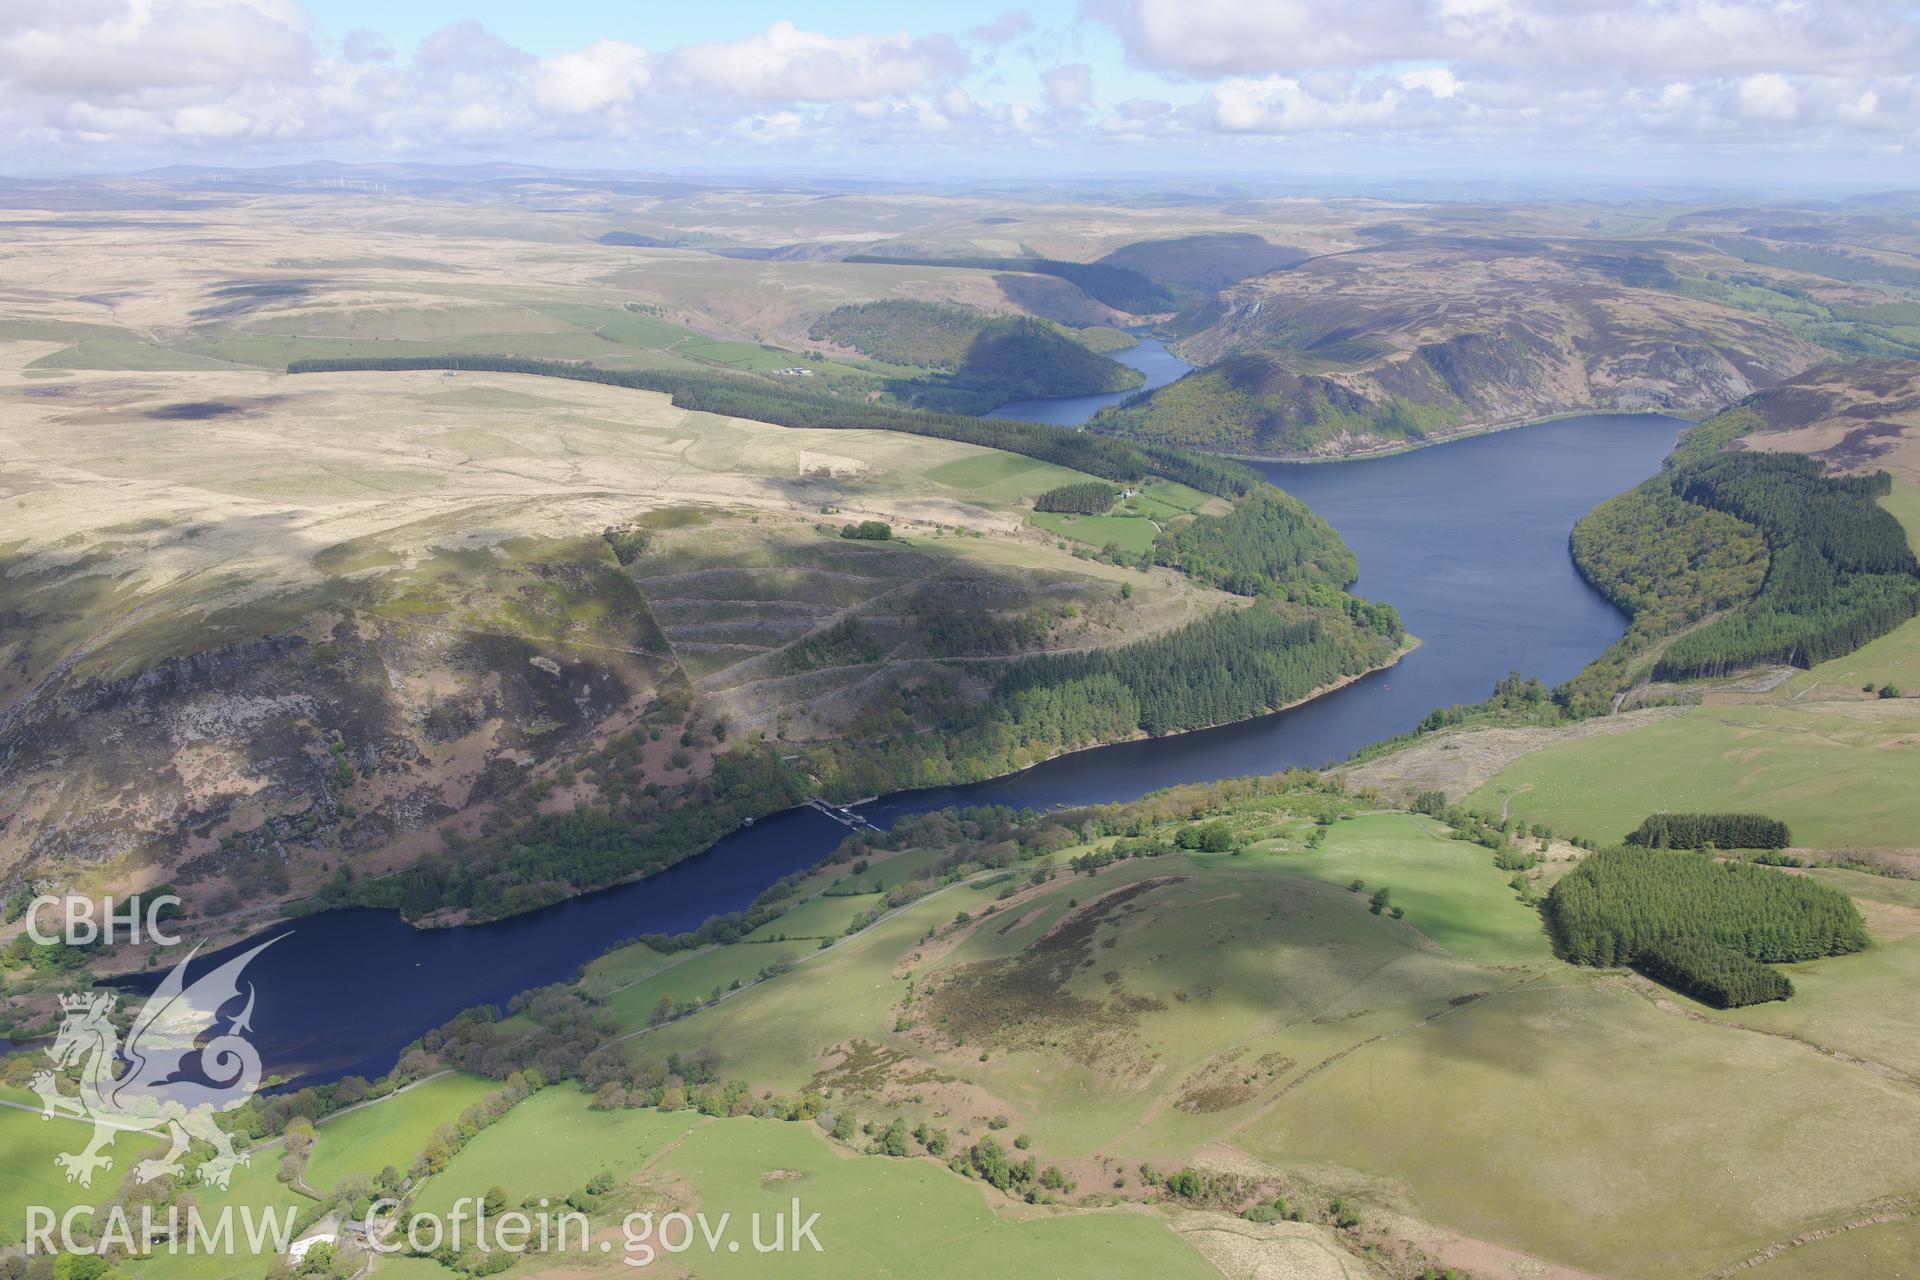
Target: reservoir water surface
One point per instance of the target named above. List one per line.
(1467, 539)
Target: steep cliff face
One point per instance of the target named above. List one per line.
(1417, 341)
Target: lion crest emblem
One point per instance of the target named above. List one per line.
(160, 1090)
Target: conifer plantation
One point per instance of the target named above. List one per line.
(1841, 573)
(1721, 830)
(1696, 923)
(1089, 498)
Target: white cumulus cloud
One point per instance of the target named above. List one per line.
(605, 73)
(786, 64)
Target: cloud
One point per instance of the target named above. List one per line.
(1595, 39)
(365, 46)
(1068, 88)
(605, 73)
(1281, 104)
(90, 83)
(466, 48)
(1220, 37)
(228, 75)
(1590, 71)
(1769, 96)
(1009, 25)
(1438, 81)
(786, 64)
(106, 48)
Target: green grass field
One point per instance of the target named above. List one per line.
(885, 1217)
(1260, 957)
(820, 917)
(1003, 477)
(1450, 889)
(110, 353)
(890, 872)
(1501, 1093)
(1164, 499)
(393, 1132)
(1837, 773)
(28, 1175)
(550, 1145)
(694, 975)
(253, 1188)
(1867, 1004)
(629, 963)
(1571, 1118)
(611, 336)
(1132, 534)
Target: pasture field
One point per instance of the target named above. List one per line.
(1248, 1008)
(1134, 522)
(125, 354)
(551, 1145)
(28, 1175)
(696, 974)
(1866, 1005)
(1004, 477)
(1450, 889)
(1132, 534)
(896, 870)
(1210, 982)
(1839, 774)
(1904, 502)
(1164, 499)
(629, 964)
(1892, 659)
(393, 1131)
(1575, 1119)
(823, 916)
(253, 1187)
(881, 1217)
(402, 1267)
(1883, 1249)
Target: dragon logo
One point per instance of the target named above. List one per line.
(156, 1093)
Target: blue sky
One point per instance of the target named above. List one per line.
(1756, 91)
